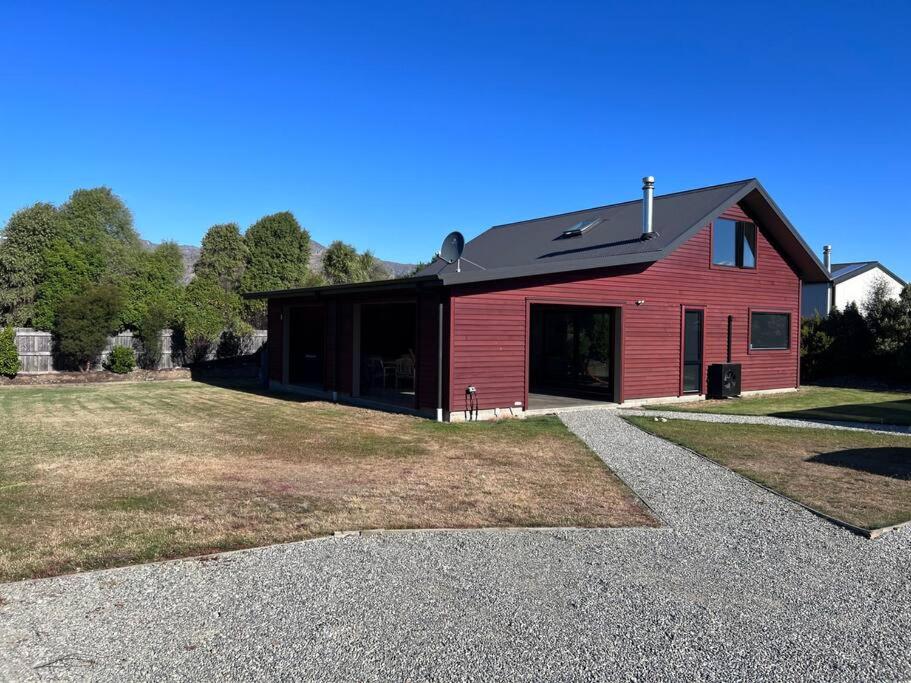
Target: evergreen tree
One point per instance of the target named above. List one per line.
(95, 242)
(278, 258)
(342, 264)
(27, 235)
(66, 271)
(155, 276)
(84, 323)
(9, 354)
(205, 312)
(223, 256)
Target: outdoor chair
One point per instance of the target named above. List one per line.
(404, 371)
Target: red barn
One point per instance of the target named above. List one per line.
(618, 304)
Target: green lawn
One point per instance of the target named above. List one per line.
(105, 475)
(861, 478)
(813, 403)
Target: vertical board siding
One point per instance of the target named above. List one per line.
(36, 349)
(489, 333)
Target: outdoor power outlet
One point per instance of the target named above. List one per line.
(471, 390)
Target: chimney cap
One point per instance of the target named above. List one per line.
(648, 180)
(827, 248)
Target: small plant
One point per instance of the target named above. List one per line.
(121, 360)
(9, 355)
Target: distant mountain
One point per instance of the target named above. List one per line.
(191, 256)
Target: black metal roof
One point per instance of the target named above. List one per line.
(846, 271)
(538, 246)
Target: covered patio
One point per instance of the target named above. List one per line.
(377, 344)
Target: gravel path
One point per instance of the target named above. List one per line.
(766, 420)
(740, 585)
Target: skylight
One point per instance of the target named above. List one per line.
(579, 228)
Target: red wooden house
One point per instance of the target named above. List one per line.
(617, 304)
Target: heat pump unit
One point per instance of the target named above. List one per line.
(724, 380)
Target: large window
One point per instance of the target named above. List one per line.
(734, 244)
(770, 330)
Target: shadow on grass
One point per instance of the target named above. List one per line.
(245, 380)
(885, 412)
(886, 462)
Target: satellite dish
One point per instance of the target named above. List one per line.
(453, 244)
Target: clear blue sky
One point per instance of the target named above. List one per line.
(388, 126)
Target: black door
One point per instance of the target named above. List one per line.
(692, 352)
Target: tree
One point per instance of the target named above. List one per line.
(889, 322)
(278, 258)
(339, 263)
(66, 271)
(371, 268)
(206, 312)
(342, 264)
(155, 276)
(27, 234)
(9, 354)
(83, 324)
(815, 348)
(97, 214)
(223, 256)
(158, 315)
(95, 241)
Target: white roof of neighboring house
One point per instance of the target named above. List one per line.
(846, 271)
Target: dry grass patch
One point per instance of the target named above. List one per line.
(100, 476)
(858, 477)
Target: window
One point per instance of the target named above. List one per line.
(733, 244)
(770, 331)
(578, 229)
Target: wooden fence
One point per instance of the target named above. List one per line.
(36, 349)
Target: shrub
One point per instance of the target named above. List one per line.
(815, 348)
(83, 324)
(155, 319)
(121, 360)
(9, 355)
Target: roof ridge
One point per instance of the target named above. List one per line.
(629, 201)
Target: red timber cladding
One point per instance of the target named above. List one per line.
(490, 329)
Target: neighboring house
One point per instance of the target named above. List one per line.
(851, 283)
(621, 303)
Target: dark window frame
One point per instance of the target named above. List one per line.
(741, 237)
(701, 309)
(769, 349)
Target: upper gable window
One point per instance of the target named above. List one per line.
(733, 244)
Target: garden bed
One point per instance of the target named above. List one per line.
(94, 377)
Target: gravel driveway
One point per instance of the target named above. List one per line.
(740, 585)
